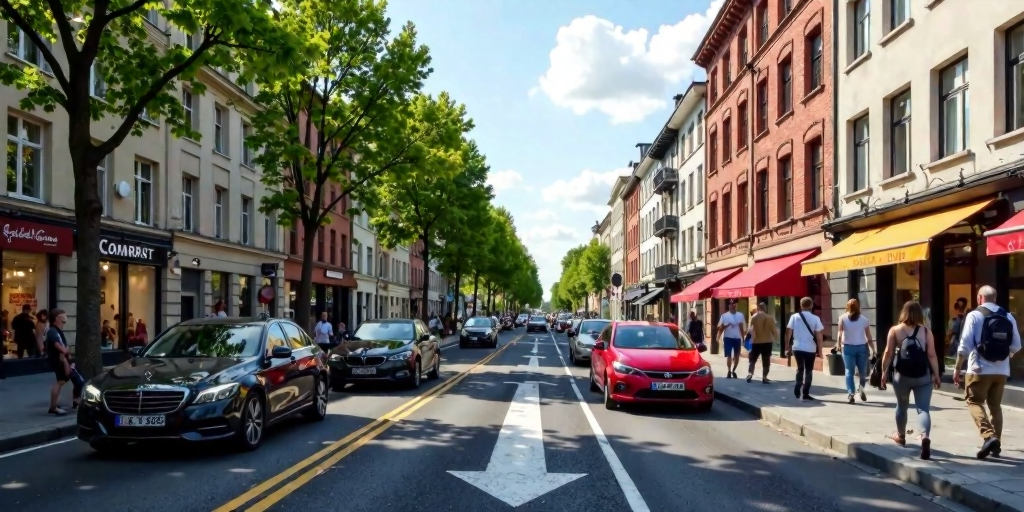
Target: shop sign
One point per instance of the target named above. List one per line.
(21, 235)
(133, 251)
(333, 274)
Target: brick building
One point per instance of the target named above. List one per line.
(630, 196)
(769, 150)
(417, 271)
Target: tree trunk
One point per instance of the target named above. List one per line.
(426, 276)
(476, 289)
(303, 298)
(88, 212)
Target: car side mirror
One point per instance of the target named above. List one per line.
(702, 348)
(599, 345)
(135, 351)
(279, 352)
(424, 337)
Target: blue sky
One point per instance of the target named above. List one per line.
(560, 91)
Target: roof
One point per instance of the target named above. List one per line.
(728, 16)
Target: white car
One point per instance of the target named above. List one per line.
(582, 338)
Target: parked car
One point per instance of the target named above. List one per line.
(582, 336)
(563, 322)
(522, 319)
(207, 379)
(537, 323)
(387, 350)
(650, 362)
(479, 330)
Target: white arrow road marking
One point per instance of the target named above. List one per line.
(533, 362)
(518, 471)
(535, 340)
(633, 496)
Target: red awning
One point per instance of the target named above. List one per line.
(1007, 238)
(779, 277)
(701, 289)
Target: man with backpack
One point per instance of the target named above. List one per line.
(988, 340)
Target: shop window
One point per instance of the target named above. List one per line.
(272, 307)
(141, 304)
(245, 293)
(110, 299)
(24, 158)
(25, 282)
(220, 283)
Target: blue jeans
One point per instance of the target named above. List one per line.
(922, 401)
(855, 357)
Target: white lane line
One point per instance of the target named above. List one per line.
(40, 447)
(633, 497)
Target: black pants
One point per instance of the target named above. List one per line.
(27, 348)
(764, 351)
(804, 371)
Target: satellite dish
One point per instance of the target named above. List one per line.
(616, 279)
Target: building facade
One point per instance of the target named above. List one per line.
(651, 211)
(616, 230)
(393, 272)
(364, 265)
(630, 196)
(417, 273)
(689, 116)
(769, 155)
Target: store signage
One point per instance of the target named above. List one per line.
(21, 235)
(132, 250)
(334, 274)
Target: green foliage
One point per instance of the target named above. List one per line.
(585, 270)
(595, 267)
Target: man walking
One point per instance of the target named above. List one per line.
(989, 339)
(24, 327)
(803, 342)
(763, 334)
(731, 326)
(695, 328)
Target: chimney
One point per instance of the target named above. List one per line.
(644, 147)
(677, 98)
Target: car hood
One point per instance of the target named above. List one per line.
(173, 371)
(371, 347)
(585, 339)
(657, 360)
(478, 330)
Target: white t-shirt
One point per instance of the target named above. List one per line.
(731, 322)
(324, 330)
(803, 340)
(853, 330)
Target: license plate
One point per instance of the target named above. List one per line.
(364, 371)
(140, 421)
(472, 338)
(668, 386)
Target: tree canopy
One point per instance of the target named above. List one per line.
(586, 270)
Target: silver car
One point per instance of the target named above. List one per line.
(582, 338)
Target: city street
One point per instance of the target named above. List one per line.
(448, 451)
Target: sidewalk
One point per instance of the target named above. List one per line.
(861, 432)
(23, 417)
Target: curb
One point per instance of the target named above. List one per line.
(955, 487)
(38, 435)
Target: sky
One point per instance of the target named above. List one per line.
(560, 92)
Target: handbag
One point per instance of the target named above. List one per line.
(875, 377)
(748, 343)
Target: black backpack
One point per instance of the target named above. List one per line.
(912, 358)
(996, 335)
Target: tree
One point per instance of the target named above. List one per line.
(557, 300)
(110, 38)
(463, 235)
(572, 288)
(595, 267)
(347, 114)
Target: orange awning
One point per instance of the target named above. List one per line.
(701, 289)
(778, 277)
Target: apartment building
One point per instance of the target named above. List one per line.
(616, 223)
(417, 273)
(393, 300)
(630, 196)
(769, 151)
(364, 266)
(439, 297)
(930, 154)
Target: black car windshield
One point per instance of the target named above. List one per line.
(478, 321)
(384, 331)
(537, 319)
(215, 340)
(656, 337)
(597, 326)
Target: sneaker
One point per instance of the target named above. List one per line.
(765, 381)
(750, 378)
(996, 451)
(796, 391)
(807, 398)
(57, 412)
(863, 395)
(990, 445)
(926, 449)
(849, 398)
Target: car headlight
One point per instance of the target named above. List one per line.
(337, 357)
(401, 356)
(703, 372)
(91, 394)
(216, 393)
(627, 370)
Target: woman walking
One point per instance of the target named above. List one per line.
(911, 365)
(857, 347)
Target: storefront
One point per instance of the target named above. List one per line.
(331, 291)
(629, 297)
(696, 295)
(132, 269)
(30, 253)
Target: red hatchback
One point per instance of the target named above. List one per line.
(648, 362)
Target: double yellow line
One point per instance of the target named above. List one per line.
(342, 448)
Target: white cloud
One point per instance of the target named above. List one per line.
(598, 65)
(587, 192)
(502, 181)
(543, 215)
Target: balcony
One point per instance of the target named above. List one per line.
(665, 179)
(664, 272)
(667, 225)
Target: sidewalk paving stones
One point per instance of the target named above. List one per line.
(861, 431)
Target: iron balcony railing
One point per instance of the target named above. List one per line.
(664, 272)
(667, 225)
(665, 179)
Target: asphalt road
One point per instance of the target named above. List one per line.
(449, 451)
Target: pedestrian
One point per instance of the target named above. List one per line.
(42, 325)
(435, 325)
(911, 364)
(803, 342)
(695, 328)
(219, 310)
(763, 335)
(857, 347)
(988, 341)
(342, 333)
(59, 358)
(24, 326)
(956, 327)
(323, 332)
(730, 329)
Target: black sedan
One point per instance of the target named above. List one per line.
(207, 379)
(391, 350)
(537, 323)
(479, 330)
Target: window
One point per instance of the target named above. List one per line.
(815, 181)
(741, 43)
(741, 132)
(269, 233)
(713, 224)
(97, 86)
(726, 140)
(218, 214)
(786, 183)
(741, 209)
(24, 158)
(344, 245)
(186, 204)
(246, 237)
(320, 244)
(763, 196)
(785, 88)
(713, 84)
(247, 153)
(21, 46)
(357, 257)
(900, 12)
(861, 145)
(762, 23)
(727, 217)
(727, 69)
(954, 108)
(787, 7)
(689, 194)
(144, 193)
(293, 239)
(762, 106)
(713, 154)
(152, 16)
(899, 108)
(334, 247)
(862, 27)
(192, 41)
(700, 127)
(188, 102)
(1015, 78)
(816, 52)
(700, 184)
(220, 117)
(101, 184)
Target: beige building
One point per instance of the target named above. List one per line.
(177, 213)
(929, 150)
(616, 226)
